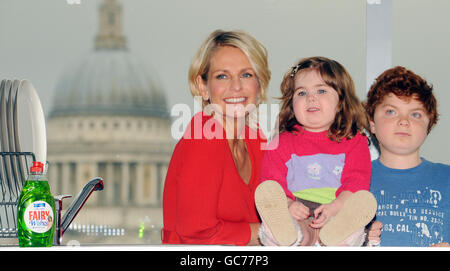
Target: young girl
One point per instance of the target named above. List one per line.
(320, 161)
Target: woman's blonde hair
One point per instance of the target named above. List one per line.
(350, 117)
(253, 49)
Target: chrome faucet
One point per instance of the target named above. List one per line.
(61, 224)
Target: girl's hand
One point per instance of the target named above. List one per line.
(298, 210)
(323, 213)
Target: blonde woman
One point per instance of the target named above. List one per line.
(209, 188)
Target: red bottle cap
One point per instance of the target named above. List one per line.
(37, 167)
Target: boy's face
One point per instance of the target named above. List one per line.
(400, 125)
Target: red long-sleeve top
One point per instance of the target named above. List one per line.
(205, 200)
(356, 168)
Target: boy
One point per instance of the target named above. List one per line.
(413, 194)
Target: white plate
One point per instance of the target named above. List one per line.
(5, 195)
(3, 116)
(30, 122)
(9, 116)
(2, 86)
(20, 166)
(8, 183)
(16, 162)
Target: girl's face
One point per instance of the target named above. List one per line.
(232, 86)
(314, 102)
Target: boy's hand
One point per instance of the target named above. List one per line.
(298, 210)
(440, 245)
(374, 233)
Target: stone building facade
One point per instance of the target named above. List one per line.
(110, 119)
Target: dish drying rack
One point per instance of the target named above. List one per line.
(13, 173)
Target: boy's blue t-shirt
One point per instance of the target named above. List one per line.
(413, 204)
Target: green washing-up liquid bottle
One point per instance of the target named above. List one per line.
(36, 210)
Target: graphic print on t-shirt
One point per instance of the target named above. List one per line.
(415, 215)
(314, 171)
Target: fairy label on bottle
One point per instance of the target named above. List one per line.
(38, 216)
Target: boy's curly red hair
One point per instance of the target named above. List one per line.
(404, 84)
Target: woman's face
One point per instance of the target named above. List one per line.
(314, 102)
(232, 86)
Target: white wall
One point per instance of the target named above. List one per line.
(421, 42)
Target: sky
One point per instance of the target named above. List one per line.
(41, 39)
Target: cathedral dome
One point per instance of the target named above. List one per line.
(110, 80)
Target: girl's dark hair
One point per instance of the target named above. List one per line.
(350, 118)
